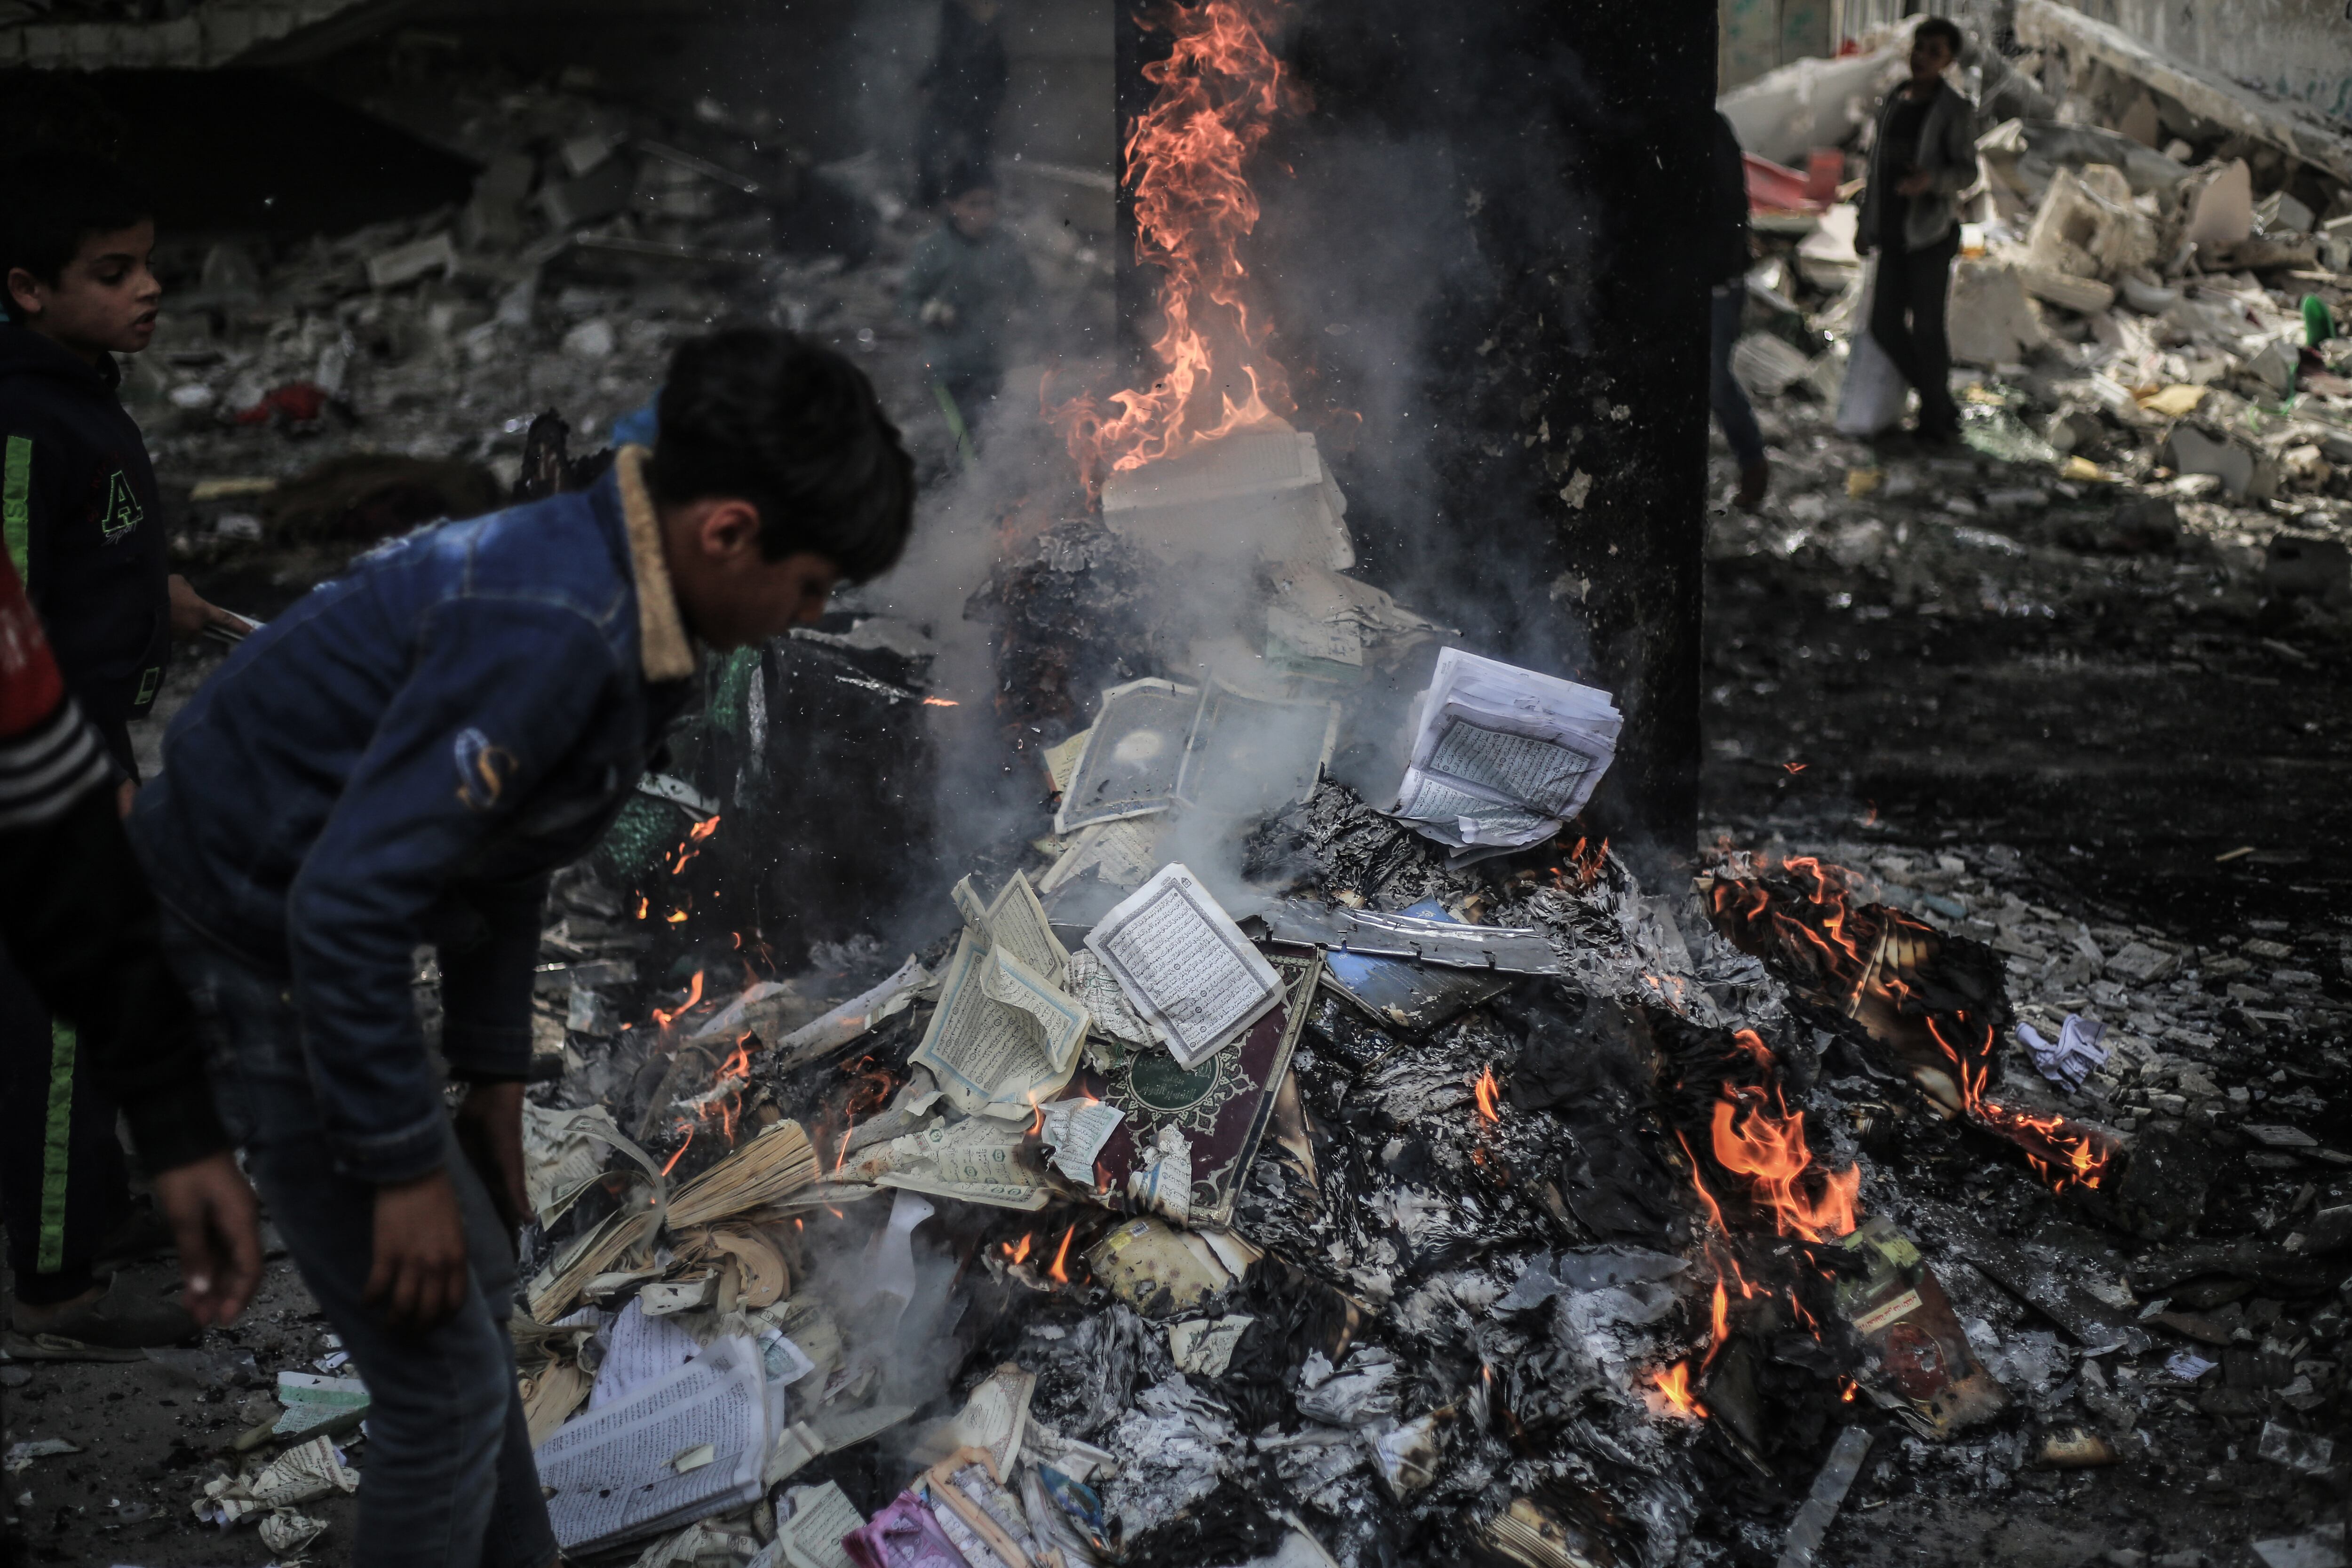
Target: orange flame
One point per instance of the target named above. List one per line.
(1059, 1274)
(1718, 1326)
(1771, 1151)
(693, 995)
(682, 1148)
(1015, 1254)
(703, 829)
(941, 702)
(1489, 1095)
(1675, 1383)
(1216, 96)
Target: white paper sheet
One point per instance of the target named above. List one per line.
(821, 1516)
(1501, 757)
(638, 1351)
(1075, 1131)
(1187, 969)
(613, 1473)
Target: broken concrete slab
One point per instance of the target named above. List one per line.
(2291, 127)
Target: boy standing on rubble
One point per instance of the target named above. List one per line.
(84, 531)
(964, 283)
(403, 757)
(1922, 156)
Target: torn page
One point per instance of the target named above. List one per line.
(563, 1155)
(1108, 1009)
(1003, 1038)
(811, 1537)
(997, 1414)
(1127, 767)
(1119, 854)
(1248, 756)
(1016, 923)
(1162, 1181)
(1075, 1131)
(1061, 760)
(978, 1159)
(635, 1468)
(1185, 966)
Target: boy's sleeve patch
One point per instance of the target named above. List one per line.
(17, 503)
(483, 769)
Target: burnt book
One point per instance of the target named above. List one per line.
(1220, 1109)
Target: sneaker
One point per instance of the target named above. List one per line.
(142, 1234)
(107, 1315)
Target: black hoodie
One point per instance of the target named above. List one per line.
(84, 527)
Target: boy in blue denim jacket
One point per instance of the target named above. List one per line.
(404, 757)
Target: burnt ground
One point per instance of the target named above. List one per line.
(2122, 718)
(1986, 664)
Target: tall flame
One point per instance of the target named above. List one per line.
(1771, 1151)
(1216, 96)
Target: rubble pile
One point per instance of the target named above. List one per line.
(2151, 321)
(600, 231)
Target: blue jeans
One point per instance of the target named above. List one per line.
(1729, 399)
(450, 1481)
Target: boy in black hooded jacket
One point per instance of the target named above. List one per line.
(83, 529)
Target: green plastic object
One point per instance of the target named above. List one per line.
(2318, 323)
(641, 837)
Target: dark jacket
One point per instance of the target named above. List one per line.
(403, 757)
(85, 529)
(1728, 252)
(981, 282)
(76, 920)
(1948, 151)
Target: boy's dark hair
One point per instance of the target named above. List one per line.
(972, 175)
(1942, 27)
(795, 430)
(53, 199)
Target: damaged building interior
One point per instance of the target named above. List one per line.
(1359, 957)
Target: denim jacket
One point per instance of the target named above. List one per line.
(405, 756)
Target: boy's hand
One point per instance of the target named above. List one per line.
(420, 1275)
(211, 1213)
(190, 613)
(490, 1130)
